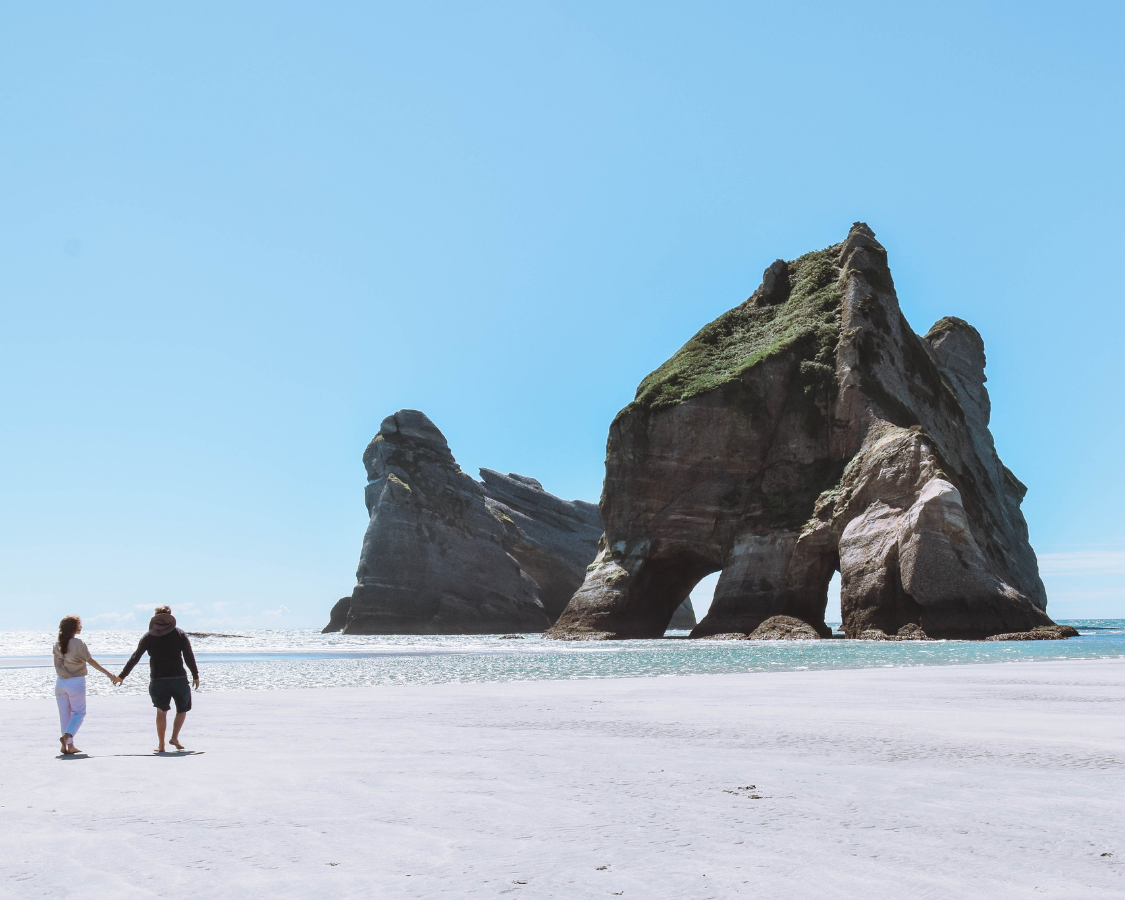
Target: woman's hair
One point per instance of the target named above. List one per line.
(68, 628)
(166, 610)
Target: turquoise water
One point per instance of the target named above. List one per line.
(266, 660)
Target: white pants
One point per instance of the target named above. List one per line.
(70, 694)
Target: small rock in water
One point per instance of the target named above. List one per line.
(511, 637)
(1044, 633)
(784, 628)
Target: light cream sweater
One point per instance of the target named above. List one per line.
(73, 665)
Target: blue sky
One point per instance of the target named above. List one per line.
(236, 236)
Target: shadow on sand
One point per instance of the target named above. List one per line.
(173, 754)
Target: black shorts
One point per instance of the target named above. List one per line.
(164, 690)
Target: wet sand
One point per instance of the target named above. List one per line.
(991, 781)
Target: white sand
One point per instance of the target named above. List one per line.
(974, 781)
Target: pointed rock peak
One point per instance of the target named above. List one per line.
(775, 284)
(863, 253)
(414, 425)
(950, 326)
(958, 348)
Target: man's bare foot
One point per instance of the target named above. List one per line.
(70, 748)
(159, 749)
(175, 742)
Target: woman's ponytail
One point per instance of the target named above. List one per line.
(68, 628)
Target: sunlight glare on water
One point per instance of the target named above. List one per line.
(270, 660)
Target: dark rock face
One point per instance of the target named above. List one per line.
(553, 540)
(810, 430)
(338, 618)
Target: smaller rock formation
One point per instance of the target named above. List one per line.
(338, 618)
(784, 628)
(433, 558)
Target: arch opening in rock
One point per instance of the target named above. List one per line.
(665, 583)
(766, 576)
(638, 596)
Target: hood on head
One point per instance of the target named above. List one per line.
(161, 624)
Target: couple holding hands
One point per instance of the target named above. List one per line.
(168, 649)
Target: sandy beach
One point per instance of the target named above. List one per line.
(962, 781)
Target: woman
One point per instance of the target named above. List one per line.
(71, 656)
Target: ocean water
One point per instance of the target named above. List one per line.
(271, 660)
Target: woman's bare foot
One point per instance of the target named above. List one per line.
(62, 741)
(175, 742)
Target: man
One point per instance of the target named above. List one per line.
(168, 649)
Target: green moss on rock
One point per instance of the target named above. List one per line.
(750, 333)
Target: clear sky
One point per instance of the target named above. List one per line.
(235, 236)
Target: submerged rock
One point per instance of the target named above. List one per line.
(909, 632)
(1049, 633)
(806, 431)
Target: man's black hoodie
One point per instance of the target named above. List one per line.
(168, 649)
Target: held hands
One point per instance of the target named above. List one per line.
(116, 679)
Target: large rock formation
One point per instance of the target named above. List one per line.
(806, 431)
(444, 554)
